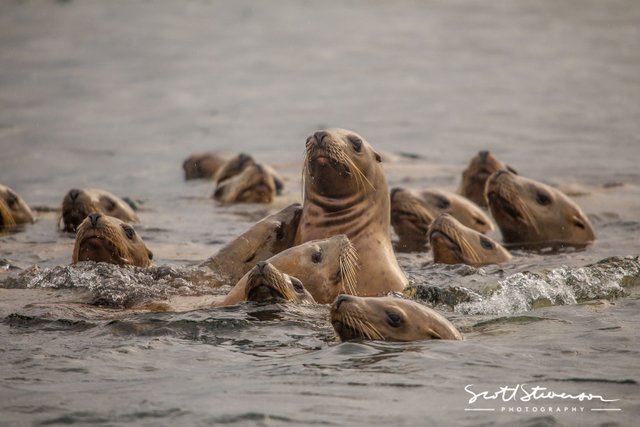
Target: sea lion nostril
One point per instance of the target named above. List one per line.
(341, 299)
(93, 218)
(261, 266)
(319, 136)
(394, 191)
(74, 193)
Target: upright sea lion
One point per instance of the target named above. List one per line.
(410, 219)
(474, 177)
(78, 203)
(388, 318)
(103, 238)
(13, 210)
(268, 284)
(203, 165)
(454, 243)
(346, 192)
(462, 209)
(532, 214)
(266, 238)
(327, 267)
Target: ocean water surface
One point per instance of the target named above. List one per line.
(116, 94)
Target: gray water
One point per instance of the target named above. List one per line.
(116, 94)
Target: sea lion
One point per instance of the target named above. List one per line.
(202, 165)
(411, 220)
(533, 215)
(388, 318)
(474, 177)
(461, 208)
(266, 283)
(13, 210)
(237, 164)
(327, 267)
(346, 192)
(253, 185)
(454, 243)
(78, 203)
(103, 238)
(266, 238)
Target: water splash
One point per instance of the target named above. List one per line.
(120, 287)
(524, 291)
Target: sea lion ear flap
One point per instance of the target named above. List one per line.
(512, 170)
(377, 156)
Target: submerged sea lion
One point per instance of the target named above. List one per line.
(253, 185)
(454, 243)
(327, 267)
(410, 220)
(532, 214)
(462, 209)
(265, 239)
(388, 318)
(237, 164)
(78, 203)
(474, 177)
(203, 165)
(13, 210)
(346, 192)
(103, 238)
(266, 283)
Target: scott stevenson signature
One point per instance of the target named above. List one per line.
(519, 392)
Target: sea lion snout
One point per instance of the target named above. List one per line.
(340, 299)
(93, 218)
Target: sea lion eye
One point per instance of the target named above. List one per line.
(316, 258)
(129, 231)
(12, 199)
(542, 198)
(479, 221)
(442, 202)
(394, 319)
(297, 285)
(356, 143)
(279, 231)
(111, 205)
(486, 244)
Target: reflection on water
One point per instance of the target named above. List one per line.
(116, 94)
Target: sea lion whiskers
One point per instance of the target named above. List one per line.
(467, 249)
(349, 268)
(356, 322)
(5, 214)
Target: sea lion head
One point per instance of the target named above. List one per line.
(327, 267)
(103, 238)
(474, 177)
(465, 211)
(340, 163)
(532, 214)
(268, 284)
(388, 318)
(204, 165)
(78, 203)
(266, 238)
(454, 243)
(410, 220)
(13, 210)
(255, 184)
(234, 166)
